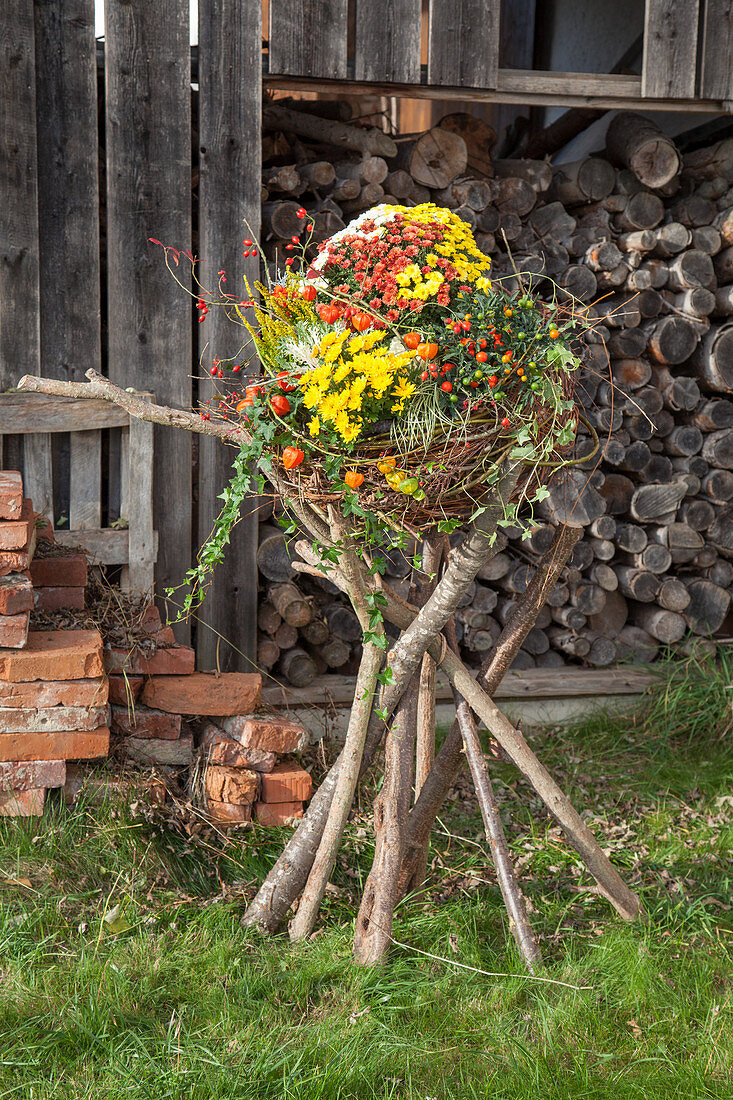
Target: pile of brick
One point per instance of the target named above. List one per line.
(245, 774)
(53, 691)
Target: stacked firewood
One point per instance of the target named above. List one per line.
(644, 237)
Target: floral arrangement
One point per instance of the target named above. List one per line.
(395, 379)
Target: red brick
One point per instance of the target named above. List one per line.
(178, 660)
(22, 803)
(205, 693)
(55, 746)
(151, 618)
(225, 814)
(55, 655)
(61, 569)
(15, 533)
(14, 630)
(54, 693)
(286, 783)
(218, 748)
(236, 786)
(21, 775)
(271, 732)
(55, 599)
(44, 527)
(16, 594)
(51, 719)
(147, 750)
(143, 722)
(14, 561)
(125, 690)
(11, 494)
(278, 813)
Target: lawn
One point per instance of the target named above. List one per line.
(175, 999)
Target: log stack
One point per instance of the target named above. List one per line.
(644, 237)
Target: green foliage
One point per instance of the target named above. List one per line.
(188, 1004)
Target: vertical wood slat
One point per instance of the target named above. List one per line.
(463, 46)
(140, 571)
(85, 480)
(148, 120)
(19, 286)
(120, 451)
(230, 91)
(716, 78)
(670, 48)
(308, 37)
(387, 40)
(38, 472)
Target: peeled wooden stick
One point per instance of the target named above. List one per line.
(374, 921)
(516, 908)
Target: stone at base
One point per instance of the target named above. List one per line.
(227, 814)
(278, 813)
(235, 785)
(23, 775)
(14, 630)
(22, 803)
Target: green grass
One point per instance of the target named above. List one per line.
(187, 1003)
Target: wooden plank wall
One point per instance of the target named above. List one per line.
(148, 135)
(230, 110)
(669, 64)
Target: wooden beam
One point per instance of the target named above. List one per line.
(105, 546)
(519, 86)
(716, 77)
(26, 414)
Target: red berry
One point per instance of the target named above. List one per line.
(505, 422)
(302, 213)
(245, 252)
(247, 241)
(424, 376)
(446, 386)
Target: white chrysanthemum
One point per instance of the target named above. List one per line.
(381, 215)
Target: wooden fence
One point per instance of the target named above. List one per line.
(68, 304)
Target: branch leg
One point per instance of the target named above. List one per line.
(374, 921)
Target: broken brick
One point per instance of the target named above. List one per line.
(286, 783)
(125, 689)
(14, 630)
(57, 599)
(21, 775)
(11, 494)
(178, 660)
(16, 533)
(22, 803)
(61, 569)
(143, 722)
(225, 814)
(278, 813)
(85, 745)
(14, 561)
(218, 748)
(148, 750)
(272, 732)
(54, 693)
(233, 785)
(205, 693)
(16, 594)
(55, 655)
